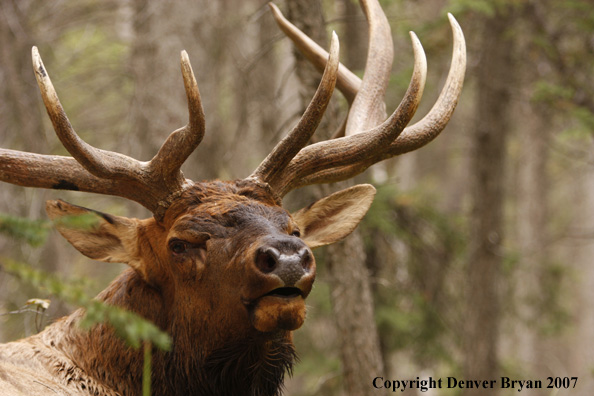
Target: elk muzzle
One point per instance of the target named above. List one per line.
(287, 267)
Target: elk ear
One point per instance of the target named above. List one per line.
(332, 218)
(104, 237)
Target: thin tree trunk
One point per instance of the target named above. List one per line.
(24, 128)
(532, 239)
(350, 280)
(485, 255)
(354, 35)
(352, 304)
(580, 354)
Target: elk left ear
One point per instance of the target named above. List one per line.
(109, 238)
(333, 218)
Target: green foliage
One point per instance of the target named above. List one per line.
(487, 8)
(412, 299)
(561, 98)
(482, 7)
(582, 13)
(133, 329)
(549, 92)
(384, 3)
(511, 261)
(388, 200)
(385, 199)
(129, 326)
(553, 315)
(146, 369)
(33, 232)
(414, 323)
(585, 118)
(73, 292)
(82, 221)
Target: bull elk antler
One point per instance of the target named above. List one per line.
(365, 142)
(153, 184)
(156, 183)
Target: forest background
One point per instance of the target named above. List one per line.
(475, 260)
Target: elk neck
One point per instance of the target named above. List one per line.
(256, 361)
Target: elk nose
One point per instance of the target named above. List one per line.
(289, 267)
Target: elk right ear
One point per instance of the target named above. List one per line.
(333, 218)
(110, 238)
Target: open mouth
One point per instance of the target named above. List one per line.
(285, 292)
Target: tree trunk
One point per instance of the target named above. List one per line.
(352, 304)
(350, 281)
(532, 238)
(352, 300)
(493, 110)
(25, 126)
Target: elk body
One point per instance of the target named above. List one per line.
(220, 266)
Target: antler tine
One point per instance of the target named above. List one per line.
(428, 128)
(347, 82)
(418, 134)
(98, 162)
(368, 108)
(364, 146)
(182, 142)
(271, 169)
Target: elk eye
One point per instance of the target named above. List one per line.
(178, 247)
(296, 233)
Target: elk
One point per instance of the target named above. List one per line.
(220, 266)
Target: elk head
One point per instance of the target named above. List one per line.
(226, 254)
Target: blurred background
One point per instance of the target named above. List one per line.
(475, 259)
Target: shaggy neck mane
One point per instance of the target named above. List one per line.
(255, 365)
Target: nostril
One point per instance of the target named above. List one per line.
(267, 259)
(306, 258)
(288, 263)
